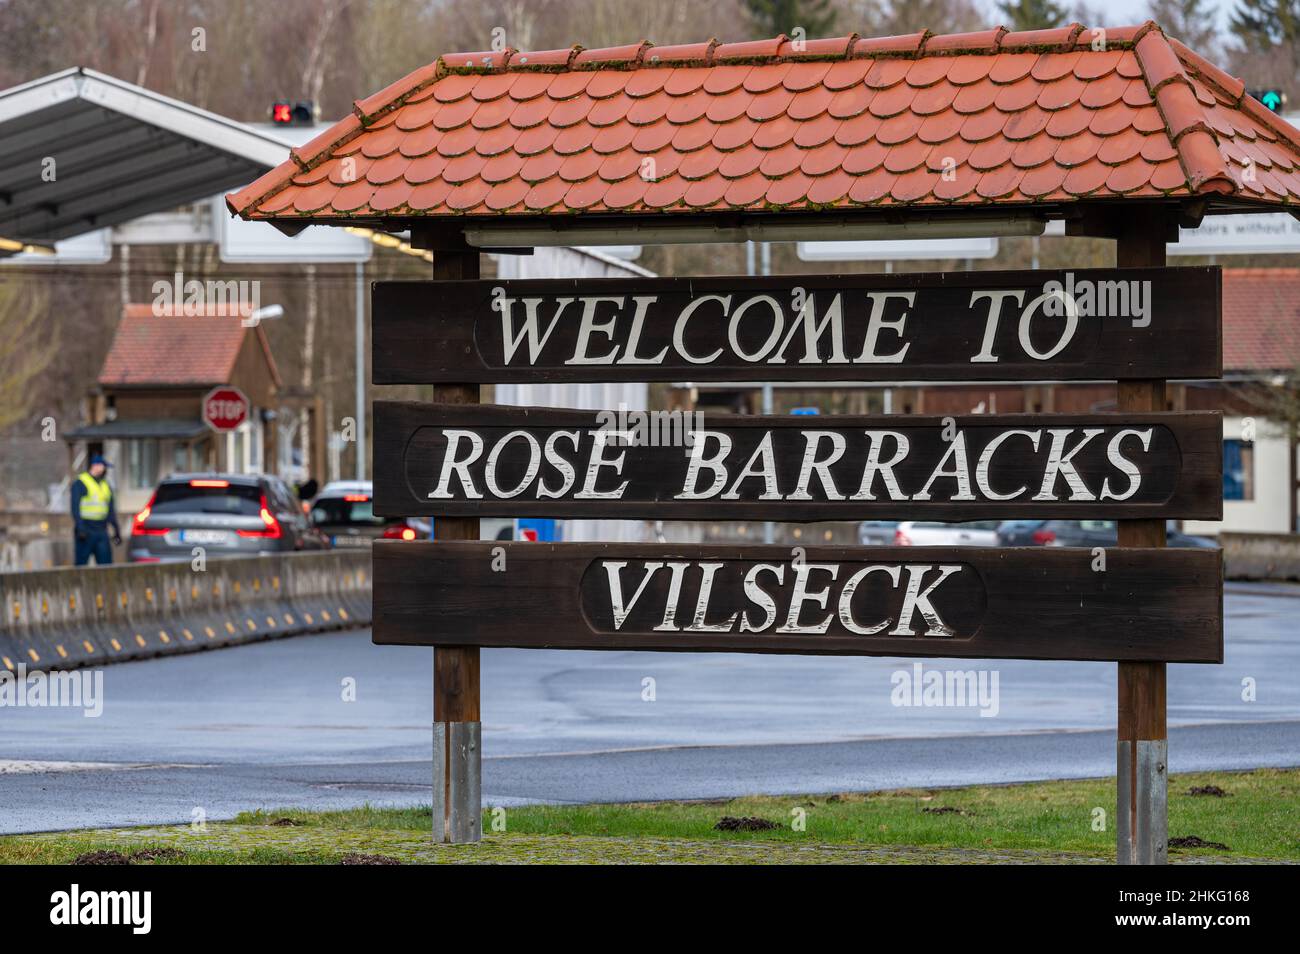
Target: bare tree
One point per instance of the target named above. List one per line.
(27, 346)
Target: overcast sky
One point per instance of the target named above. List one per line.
(1124, 12)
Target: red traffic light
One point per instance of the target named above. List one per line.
(293, 114)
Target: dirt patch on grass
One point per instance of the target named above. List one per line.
(1213, 791)
(101, 858)
(157, 854)
(359, 859)
(748, 823)
(1193, 841)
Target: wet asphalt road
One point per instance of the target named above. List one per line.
(266, 725)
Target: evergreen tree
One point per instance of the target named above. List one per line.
(1261, 25)
(1032, 14)
(773, 17)
(1192, 21)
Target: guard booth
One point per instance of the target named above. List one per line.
(145, 414)
(1122, 133)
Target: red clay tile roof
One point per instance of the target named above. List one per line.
(170, 350)
(1046, 117)
(1261, 319)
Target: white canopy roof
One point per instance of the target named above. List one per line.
(119, 152)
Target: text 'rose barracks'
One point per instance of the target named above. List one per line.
(894, 464)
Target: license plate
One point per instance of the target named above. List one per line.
(351, 541)
(208, 537)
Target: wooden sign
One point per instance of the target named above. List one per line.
(960, 326)
(1030, 603)
(458, 460)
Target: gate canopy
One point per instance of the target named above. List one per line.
(891, 130)
(80, 151)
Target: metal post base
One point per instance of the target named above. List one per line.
(1147, 801)
(457, 782)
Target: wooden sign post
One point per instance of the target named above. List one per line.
(457, 718)
(1139, 605)
(1142, 743)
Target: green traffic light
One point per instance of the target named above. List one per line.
(1272, 99)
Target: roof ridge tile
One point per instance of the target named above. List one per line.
(683, 54)
(543, 60)
(830, 48)
(983, 41)
(631, 54)
(1183, 115)
(749, 51)
(1056, 40)
(884, 46)
(484, 61)
(1235, 90)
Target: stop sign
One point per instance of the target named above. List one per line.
(225, 408)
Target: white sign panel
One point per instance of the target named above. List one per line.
(1261, 234)
(924, 249)
(252, 242)
(89, 248)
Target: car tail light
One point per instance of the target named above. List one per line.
(1044, 538)
(138, 529)
(901, 539)
(399, 531)
(272, 531)
(356, 498)
(209, 483)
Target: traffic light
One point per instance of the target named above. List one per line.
(1274, 100)
(284, 113)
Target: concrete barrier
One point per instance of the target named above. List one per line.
(91, 616)
(1260, 556)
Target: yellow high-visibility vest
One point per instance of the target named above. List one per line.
(94, 504)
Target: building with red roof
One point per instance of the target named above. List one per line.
(145, 414)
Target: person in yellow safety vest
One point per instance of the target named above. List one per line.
(93, 512)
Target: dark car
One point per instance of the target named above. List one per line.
(877, 533)
(1103, 533)
(226, 514)
(345, 513)
(1020, 533)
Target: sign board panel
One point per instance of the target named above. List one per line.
(466, 460)
(1027, 603)
(962, 326)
